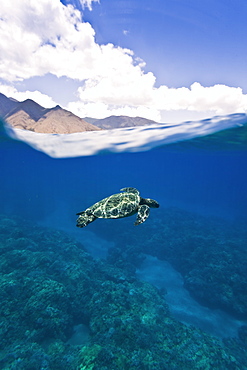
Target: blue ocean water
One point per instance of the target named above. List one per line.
(197, 179)
(187, 248)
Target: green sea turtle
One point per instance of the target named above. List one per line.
(118, 205)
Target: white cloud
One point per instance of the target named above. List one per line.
(88, 3)
(40, 37)
(44, 36)
(220, 99)
(42, 99)
(101, 99)
(102, 110)
(47, 37)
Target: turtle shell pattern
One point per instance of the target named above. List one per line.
(116, 206)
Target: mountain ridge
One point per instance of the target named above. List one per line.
(33, 109)
(29, 115)
(113, 122)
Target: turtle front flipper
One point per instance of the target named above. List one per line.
(130, 190)
(85, 218)
(142, 215)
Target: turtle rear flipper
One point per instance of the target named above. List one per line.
(142, 215)
(149, 202)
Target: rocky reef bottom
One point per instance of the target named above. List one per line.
(210, 253)
(50, 287)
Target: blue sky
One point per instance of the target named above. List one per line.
(180, 41)
(168, 60)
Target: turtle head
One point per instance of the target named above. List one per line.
(149, 202)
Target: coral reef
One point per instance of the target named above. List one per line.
(49, 284)
(210, 254)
